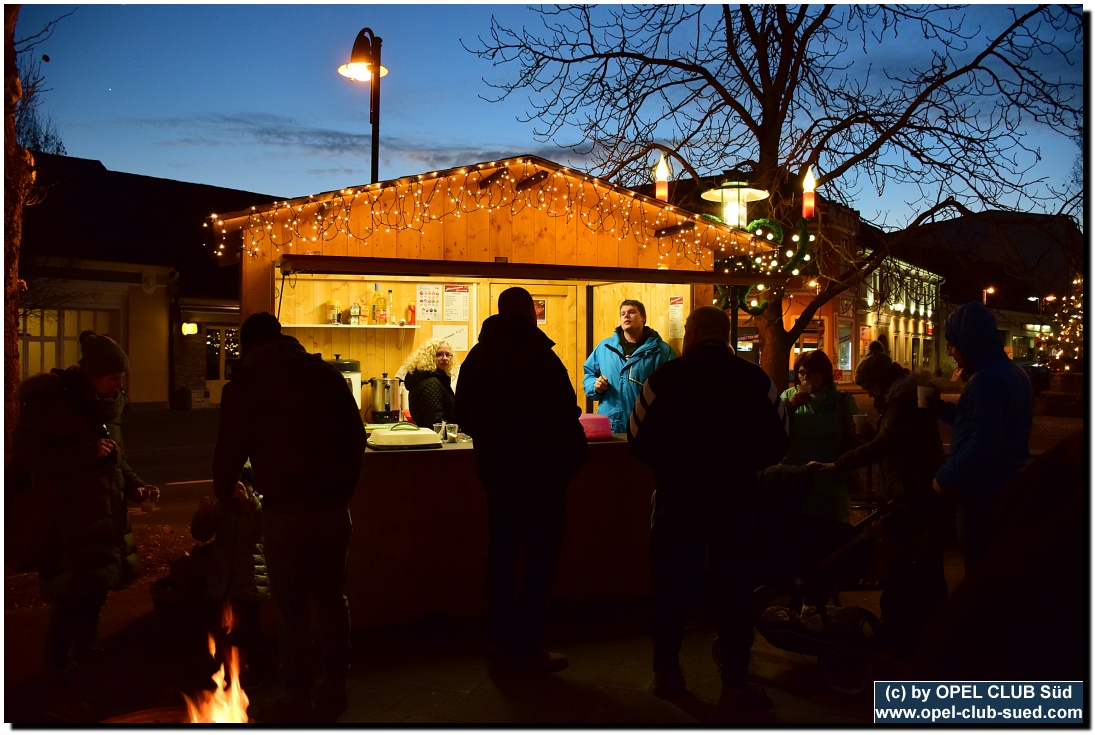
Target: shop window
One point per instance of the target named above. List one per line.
(914, 363)
(222, 352)
(864, 339)
(844, 345)
(212, 354)
(811, 338)
(49, 338)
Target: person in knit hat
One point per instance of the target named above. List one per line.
(69, 511)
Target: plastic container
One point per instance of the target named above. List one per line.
(596, 426)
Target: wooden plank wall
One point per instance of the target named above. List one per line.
(654, 296)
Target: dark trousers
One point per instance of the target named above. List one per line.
(306, 552)
(525, 533)
(915, 589)
(73, 628)
(679, 556)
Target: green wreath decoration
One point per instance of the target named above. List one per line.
(777, 230)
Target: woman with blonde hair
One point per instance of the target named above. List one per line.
(429, 383)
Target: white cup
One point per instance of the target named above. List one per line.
(451, 432)
(923, 393)
(862, 423)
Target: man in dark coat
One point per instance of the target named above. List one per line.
(991, 422)
(68, 443)
(517, 402)
(706, 423)
(292, 414)
(910, 450)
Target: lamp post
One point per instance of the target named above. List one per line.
(364, 66)
(1038, 299)
(985, 294)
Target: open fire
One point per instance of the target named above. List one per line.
(228, 703)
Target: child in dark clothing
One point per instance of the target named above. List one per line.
(235, 569)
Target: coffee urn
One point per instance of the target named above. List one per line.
(386, 399)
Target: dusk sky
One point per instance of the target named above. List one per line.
(248, 97)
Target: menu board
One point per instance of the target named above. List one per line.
(428, 296)
(457, 300)
(676, 317)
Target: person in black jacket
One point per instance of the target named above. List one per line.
(292, 414)
(525, 472)
(910, 450)
(429, 383)
(706, 423)
(68, 441)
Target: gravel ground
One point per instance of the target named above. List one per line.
(157, 547)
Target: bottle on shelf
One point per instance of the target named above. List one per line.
(393, 317)
(334, 312)
(380, 306)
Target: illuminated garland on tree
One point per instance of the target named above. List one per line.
(767, 264)
(1067, 343)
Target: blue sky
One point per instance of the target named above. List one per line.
(248, 97)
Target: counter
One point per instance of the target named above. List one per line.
(420, 534)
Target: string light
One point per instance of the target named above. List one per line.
(354, 215)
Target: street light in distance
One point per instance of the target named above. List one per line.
(364, 66)
(985, 294)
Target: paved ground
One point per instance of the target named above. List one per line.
(431, 673)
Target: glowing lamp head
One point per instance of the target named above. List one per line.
(366, 48)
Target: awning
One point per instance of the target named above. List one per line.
(352, 265)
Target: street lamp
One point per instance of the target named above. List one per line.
(364, 66)
(1038, 299)
(985, 294)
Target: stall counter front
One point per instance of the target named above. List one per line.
(419, 543)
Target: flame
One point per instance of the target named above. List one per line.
(228, 703)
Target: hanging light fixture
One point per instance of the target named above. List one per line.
(735, 194)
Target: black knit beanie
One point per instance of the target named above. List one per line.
(101, 355)
(257, 329)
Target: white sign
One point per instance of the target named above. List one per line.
(455, 334)
(457, 299)
(676, 317)
(429, 302)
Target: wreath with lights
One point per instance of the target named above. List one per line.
(728, 297)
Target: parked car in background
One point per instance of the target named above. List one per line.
(1039, 375)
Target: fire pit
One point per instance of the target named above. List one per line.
(226, 703)
(151, 716)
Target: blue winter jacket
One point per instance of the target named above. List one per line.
(992, 422)
(625, 376)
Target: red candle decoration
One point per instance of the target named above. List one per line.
(808, 185)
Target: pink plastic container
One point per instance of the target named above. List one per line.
(596, 426)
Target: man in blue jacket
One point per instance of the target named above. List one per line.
(617, 368)
(992, 423)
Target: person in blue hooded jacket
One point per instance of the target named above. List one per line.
(617, 368)
(991, 424)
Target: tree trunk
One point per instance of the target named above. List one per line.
(775, 342)
(18, 177)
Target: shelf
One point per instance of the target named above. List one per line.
(353, 326)
(402, 334)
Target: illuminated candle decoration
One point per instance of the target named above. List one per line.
(661, 180)
(808, 185)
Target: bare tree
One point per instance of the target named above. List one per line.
(18, 177)
(870, 95)
(33, 131)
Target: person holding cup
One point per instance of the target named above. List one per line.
(822, 426)
(68, 446)
(909, 449)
